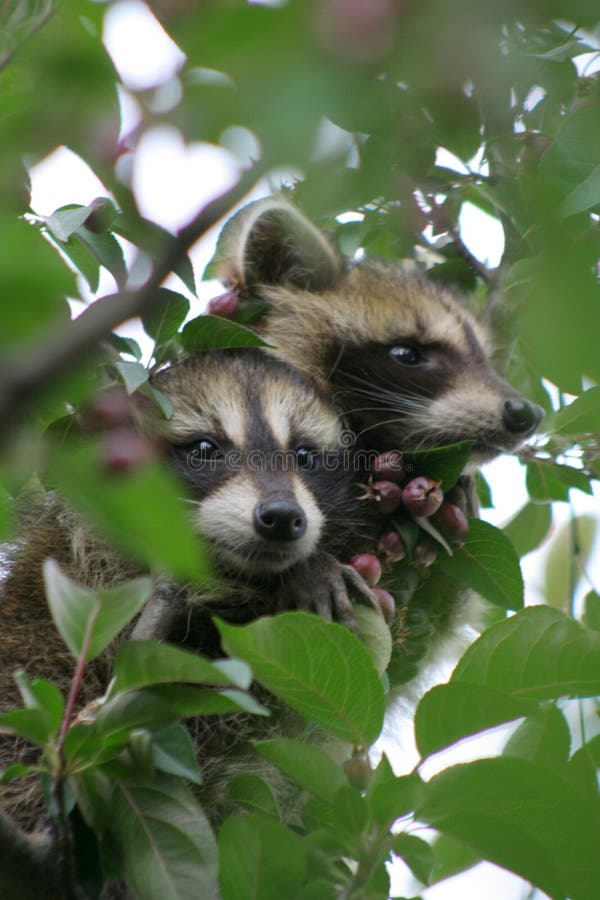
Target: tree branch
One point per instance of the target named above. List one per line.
(34, 366)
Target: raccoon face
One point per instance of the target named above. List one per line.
(402, 359)
(427, 380)
(249, 437)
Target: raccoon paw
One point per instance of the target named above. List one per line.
(325, 586)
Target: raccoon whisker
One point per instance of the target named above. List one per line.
(382, 391)
(378, 425)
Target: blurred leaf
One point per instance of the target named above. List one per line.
(254, 795)
(89, 620)
(451, 712)
(549, 481)
(173, 752)
(375, 635)
(65, 221)
(134, 375)
(484, 492)
(529, 527)
(31, 724)
(141, 511)
(538, 653)
(259, 860)
(166, 844)
(562, 572)
(187, 700)
(125, 345)
(591, 616)
(44, 696)
(144, 663)
(450, 858)
(543, 738)
(521, 816)
(583, 768)
(582, 416)
(105, 248)
(570, 165)
(319, 668)
(488, 563)
(133, 709)
(308, 765)
(33, 295)
(416, 853)
(153, 239)
(396, 798)
(205, 332)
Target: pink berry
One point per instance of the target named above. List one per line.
(452, 522)
(368, 566)
(389, 466)
(386, 602)
(226, 305)
(422, 496)
(388, 496)
(424, 553)
(391, 546)
(124, 449)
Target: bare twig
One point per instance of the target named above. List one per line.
(33, 367)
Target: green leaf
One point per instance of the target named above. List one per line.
(582, 416)
(394, 799)
(484, 491)
(205, 332)
(83, 616)
(543, 738)
(105, 248)
(44, 696)
(591, 615)
(143, 663)
(570, 165)
(125, 345)
(443, 464)
(254, 795)
(488, 563)
(31, 724)
(192, 701)
(538, 653)
(549, 481)
(583, 767)
(451, 858)
(173, 752)
(167, 846)
(17, 770)
(529, 527)
(164, 317)
(416, 853)
(259, 860)
(133, 709)
(449, 712)
(375, 635)
(83, 261)
(65, 221)
(94, 792)
(306, 764)
(319, 668)
(522, 817)
(134, 375)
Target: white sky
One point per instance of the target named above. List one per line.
(172, 181)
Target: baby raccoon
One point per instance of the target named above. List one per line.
(400, 355)
(260, 452)
(406, 364)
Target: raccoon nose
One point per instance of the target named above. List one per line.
(280, 520)
(521, 417)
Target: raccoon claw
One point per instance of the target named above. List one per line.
(324, 588)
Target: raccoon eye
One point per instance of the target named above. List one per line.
(407, 354)
(203, 449)
(308, 457)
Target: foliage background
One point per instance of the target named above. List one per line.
(496, 85)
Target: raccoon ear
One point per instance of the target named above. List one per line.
(271, 242)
